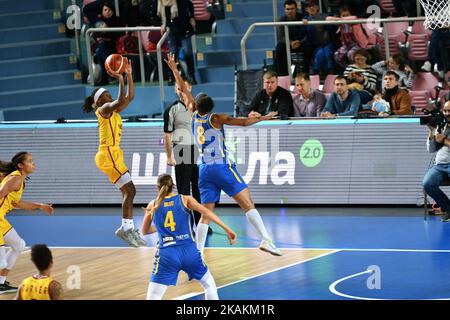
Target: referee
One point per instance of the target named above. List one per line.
(180, 147)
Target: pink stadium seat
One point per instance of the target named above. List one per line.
(419, 28)
(200, 12)
(425, 81)
(419, 99)
(387, 6)
(395, 31)
(328, 86)
(285, 82)
(315, 81)
(417, 45)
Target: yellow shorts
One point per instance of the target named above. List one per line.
(110, 162)
(5, 226)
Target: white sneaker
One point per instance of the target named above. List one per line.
(127, 236)
(267, 245)
(426, 66)
(137, 237)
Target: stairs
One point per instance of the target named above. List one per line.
(39, 77)
(219, 53)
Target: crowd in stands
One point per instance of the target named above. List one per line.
(363, 81)
(178, 15)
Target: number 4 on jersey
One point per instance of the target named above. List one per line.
(169, 222)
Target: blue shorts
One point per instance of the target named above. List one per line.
(216, 177)
(171, 260)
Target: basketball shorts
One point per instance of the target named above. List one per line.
(216, 177)
(169, 261)
(110, 161)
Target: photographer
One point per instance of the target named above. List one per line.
(440, 142)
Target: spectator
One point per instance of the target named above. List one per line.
(360, 75)
(395, 63)
(309, 102)
(405, 8)
(319, 38)
(106, 40)
(437, 52)
(342, 102)
(93, 11)
(398, 99)
(178, 15)
(148, 15)
(297, 38)
(271, 98)
(380, 105)
(440, 142)
(352, 36)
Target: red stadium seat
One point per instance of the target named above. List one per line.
(387, 6)
(328, 86)
(419, 99)
(417, 46)
(285, 82)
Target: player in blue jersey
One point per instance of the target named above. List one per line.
(176, 246)
(216, 170)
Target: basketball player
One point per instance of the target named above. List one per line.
(109, 158)
(13, 175)
(176, 249)
(216, 171)
(40, 286)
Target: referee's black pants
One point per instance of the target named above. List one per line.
(186, 175)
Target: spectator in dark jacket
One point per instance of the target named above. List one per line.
(272, 98)
(297, 38)
(178, 15)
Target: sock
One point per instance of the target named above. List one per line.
(2, 279)
(127, 224)
(202, 232)
(255, 219)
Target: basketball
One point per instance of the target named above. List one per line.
(116, 63)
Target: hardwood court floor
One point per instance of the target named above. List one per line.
(123, 273)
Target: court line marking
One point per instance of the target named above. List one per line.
(193, 294)
(255, 248)
(333, 289)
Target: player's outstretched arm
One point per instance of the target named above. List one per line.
(120, 103)
(192, 204)
(30, 206)
(243, 122)
(187, 93)
(130, 87)
(147, 227)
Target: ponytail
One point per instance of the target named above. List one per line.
(165, 184)
(89, 104)
(6, 167)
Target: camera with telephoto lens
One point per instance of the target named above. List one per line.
(434, 118)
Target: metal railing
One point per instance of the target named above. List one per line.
(141, 51)
(324, 22)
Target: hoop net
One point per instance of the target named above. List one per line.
(437, 13)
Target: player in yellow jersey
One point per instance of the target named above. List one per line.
(109, 158)
(12, 176)
(40, 286)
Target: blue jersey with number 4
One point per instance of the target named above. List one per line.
(172, 221)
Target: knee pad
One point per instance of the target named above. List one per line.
(3, 264)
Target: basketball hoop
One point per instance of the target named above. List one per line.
(437, 13)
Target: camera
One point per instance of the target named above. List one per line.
(434, 118)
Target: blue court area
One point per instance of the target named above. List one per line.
(408, 257)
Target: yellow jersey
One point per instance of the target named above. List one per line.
(109, 129)
(11, 200)
(36, 288)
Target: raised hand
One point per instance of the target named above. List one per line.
(173, 65)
